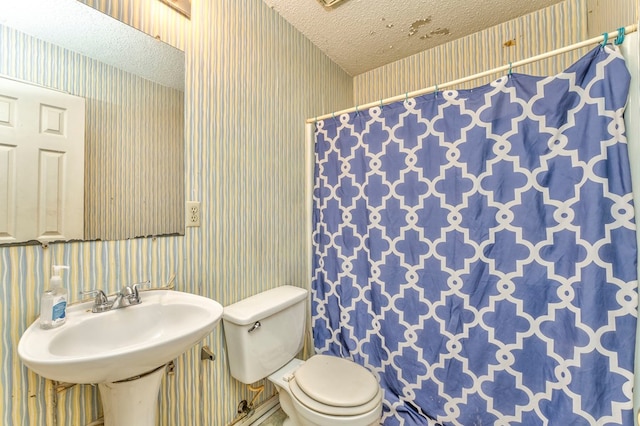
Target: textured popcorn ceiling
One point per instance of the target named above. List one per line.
(360, 35)
(82, 29)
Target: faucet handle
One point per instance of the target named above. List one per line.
(134, 288)
(140, 284)
(101, 302)
(98, 293)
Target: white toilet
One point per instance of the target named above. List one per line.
(265, 332)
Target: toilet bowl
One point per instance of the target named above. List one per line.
(263, 334)
(328, 391)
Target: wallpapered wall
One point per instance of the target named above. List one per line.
(608, 15)
(251, 82)
(252, 79)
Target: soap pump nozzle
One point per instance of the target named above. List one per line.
(56, 275)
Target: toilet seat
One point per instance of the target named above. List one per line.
(335, 386)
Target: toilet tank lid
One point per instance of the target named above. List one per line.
(263, 305)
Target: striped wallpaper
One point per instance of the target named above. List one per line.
(134, 146)
(252, 80)
(608, 15)
(134, 160)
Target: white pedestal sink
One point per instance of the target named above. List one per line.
(132, 402)
(110, 347)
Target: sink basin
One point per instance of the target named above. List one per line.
(119, 344)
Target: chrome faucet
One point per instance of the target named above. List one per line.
(128, 296)
(101, 302)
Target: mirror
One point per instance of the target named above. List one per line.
(133, 86)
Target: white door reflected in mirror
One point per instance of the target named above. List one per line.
(41, 163)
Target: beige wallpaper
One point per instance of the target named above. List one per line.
(252, 79)
(608, 15)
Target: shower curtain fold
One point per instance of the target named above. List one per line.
(476, 249)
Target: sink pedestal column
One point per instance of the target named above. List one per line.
(132, 402)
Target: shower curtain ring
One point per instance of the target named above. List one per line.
(510, 69)
(357, 112)
(620, 37)
(406, 96)
(606, 39)
(436, 92)
(381, 105)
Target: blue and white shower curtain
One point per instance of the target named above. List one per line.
(476, 250)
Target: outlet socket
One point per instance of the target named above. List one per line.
(192, 215)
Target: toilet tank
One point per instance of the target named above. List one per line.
(264, 332)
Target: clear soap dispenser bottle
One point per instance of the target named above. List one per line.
(53, 305)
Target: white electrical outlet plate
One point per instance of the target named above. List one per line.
(192, 214)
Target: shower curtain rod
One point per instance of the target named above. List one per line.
(627, 30)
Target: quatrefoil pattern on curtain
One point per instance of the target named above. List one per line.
(476, 250)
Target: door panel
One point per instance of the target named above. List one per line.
(41, 163)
